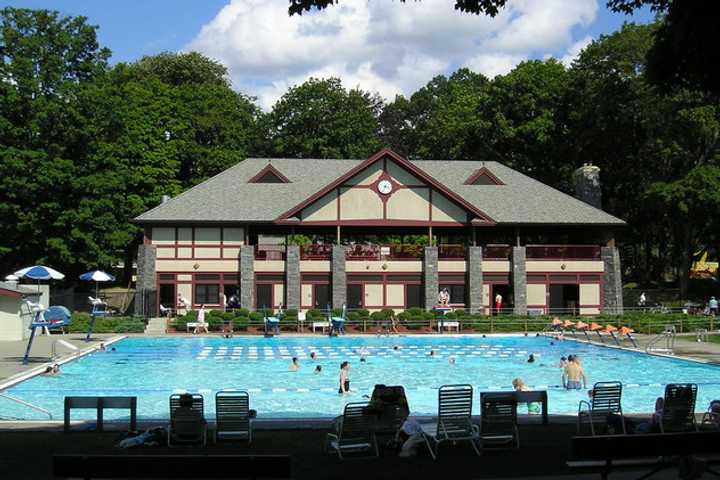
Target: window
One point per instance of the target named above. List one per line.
(483, 176)
(414, 294)
(322, 295)
(354, 296)
(167, 295)
(207, 294)
(269, 174)
(263, 295)
(457, 293)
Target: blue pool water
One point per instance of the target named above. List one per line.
(153, 368)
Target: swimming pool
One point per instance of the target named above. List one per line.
(153, 368)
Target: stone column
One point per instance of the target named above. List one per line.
(430, 276)
(339, 278)
(247, 276)
(146, 284)
(519, 281)
(612, 281)
(292, 277)
(475, 279)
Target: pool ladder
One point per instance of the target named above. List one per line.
(663, 343)
(27, 404)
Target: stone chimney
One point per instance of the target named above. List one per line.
(587, 185)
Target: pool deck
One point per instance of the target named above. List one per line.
(11, 353)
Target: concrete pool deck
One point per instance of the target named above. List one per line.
(11, 353)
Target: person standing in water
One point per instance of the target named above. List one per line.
(344, 378)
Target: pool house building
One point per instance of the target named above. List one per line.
(382, 232)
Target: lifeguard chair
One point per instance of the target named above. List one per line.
(52, 318)
(98, 309)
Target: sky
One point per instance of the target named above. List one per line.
(381, 46)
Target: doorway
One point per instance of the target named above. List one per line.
(507, 300)
(167, 295)
(564, 298)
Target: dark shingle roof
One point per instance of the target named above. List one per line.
(227, 197)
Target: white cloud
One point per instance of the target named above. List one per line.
(574, 50)
(380, 45)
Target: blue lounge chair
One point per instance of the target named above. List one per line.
(338, 323)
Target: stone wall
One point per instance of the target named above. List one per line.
(339, 278)
(519, 281)
(247, 276)
(430, 276)
(475, 279)
(146, 284)
(292, 277)
(612, 281)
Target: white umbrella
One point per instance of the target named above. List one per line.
(39, 272)
(97, 276)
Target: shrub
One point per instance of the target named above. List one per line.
(451, 315)
(379, 316)
(81, 320)
(403, 316)
(314, 314)
(291, 312)
(228, 316)
(242, 312)
(337, 312)
(428, 315)
(388, 312)
(414, 311)
(363, 313)
(256, 317)
(353, 317)
(240, 323)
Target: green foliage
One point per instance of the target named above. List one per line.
(80, 322)
(363, 313)
(353, 317)
(298, 239)
(320, 119)
(256, 317)
(314, 314)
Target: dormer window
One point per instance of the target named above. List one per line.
(483, 176)
(269, 174)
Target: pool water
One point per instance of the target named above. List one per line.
(154, 368)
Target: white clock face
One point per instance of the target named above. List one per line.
(385, 187)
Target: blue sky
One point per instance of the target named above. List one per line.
(378, 45)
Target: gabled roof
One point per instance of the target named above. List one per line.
(229, 198)
(402, 162)
(269, 174)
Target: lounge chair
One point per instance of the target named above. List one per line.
(338, 323)
(604, 406)
(611, 330)
(498, 418)
(627, 333)
(569, 326)
(187, 422)
(711, 418)
(678, 413)
(354, 431)
(232, 416)
(454, 422)
(597, 328)
(581, 326)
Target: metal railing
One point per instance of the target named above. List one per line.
(27, 404)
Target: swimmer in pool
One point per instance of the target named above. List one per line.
(313, 356)
(294, 366)
(573, 375)
(318, 369)
(344, 378)
(451, 359)
(531, 358)
(563, 362)
(52, 371)
(432, 353)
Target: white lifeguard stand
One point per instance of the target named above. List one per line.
(14, 322)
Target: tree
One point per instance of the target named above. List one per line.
(487, 7)
(44, 58)
(320, 119)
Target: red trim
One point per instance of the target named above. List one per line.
(374, 223)
(480, 172)
(407, 165)
(268, 169)
(9, 293)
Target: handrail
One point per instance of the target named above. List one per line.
(668, 335)
(29, 405)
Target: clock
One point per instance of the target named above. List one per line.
(384, 187)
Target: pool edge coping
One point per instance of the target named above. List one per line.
(35, 371)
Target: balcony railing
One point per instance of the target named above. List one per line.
(496, 252)
(362, 252)
(451, 252)
(316, 252)
(269, 252)
(562, 252)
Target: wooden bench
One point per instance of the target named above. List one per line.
(100, 404)
(172, 466)
(654, 451)
(448, 324)
(538, 396)
(322, 325)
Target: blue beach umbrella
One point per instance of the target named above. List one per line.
(39, 272)
(97, 276)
